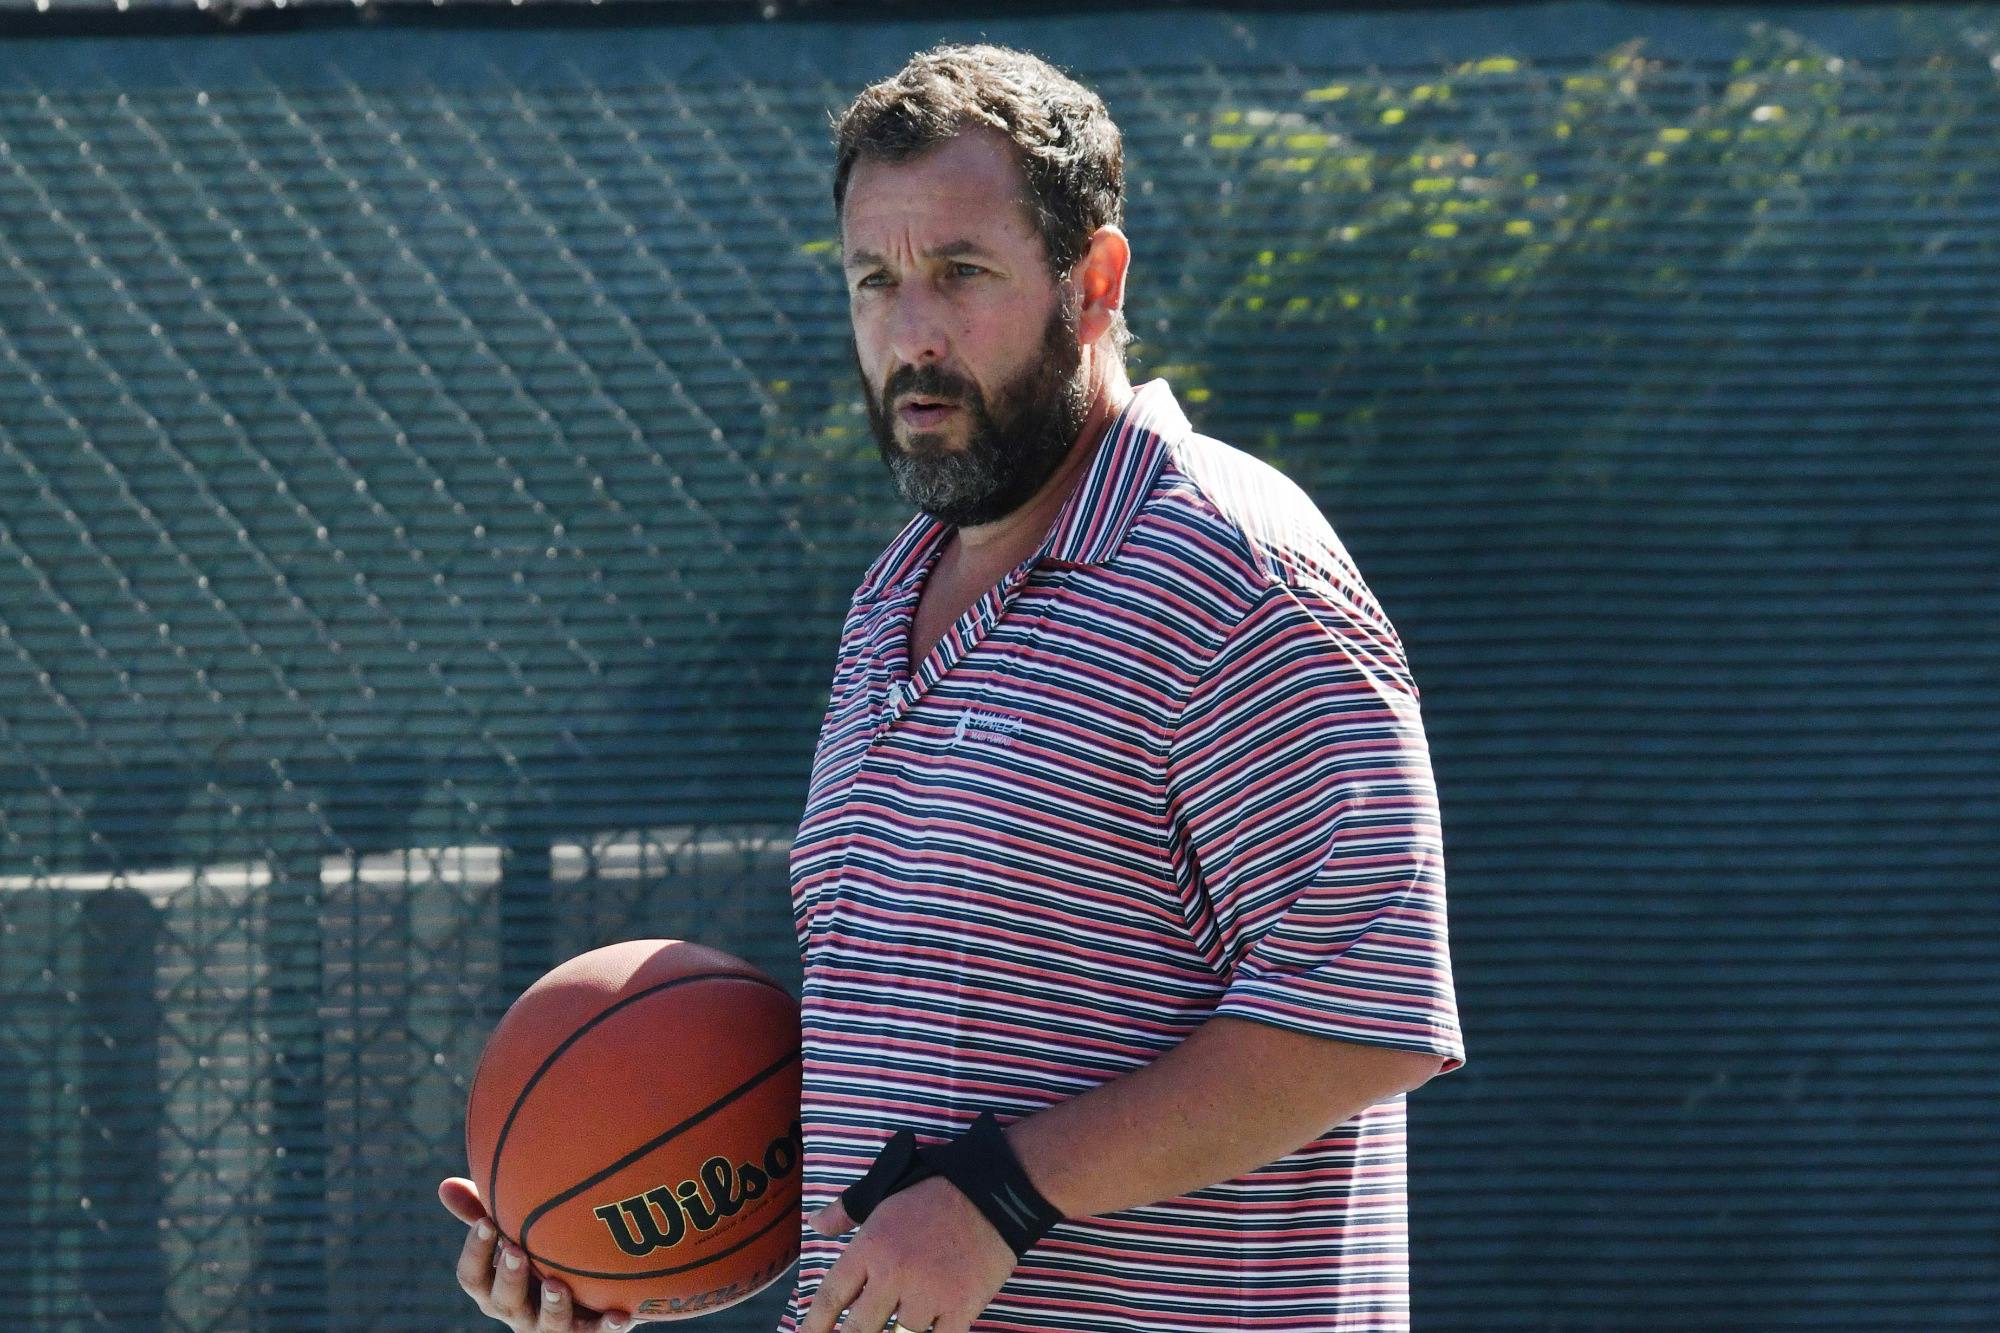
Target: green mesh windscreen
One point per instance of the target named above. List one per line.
(432, 472)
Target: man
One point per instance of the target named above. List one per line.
(1119, 884)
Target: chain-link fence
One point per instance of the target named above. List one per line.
(433, 473)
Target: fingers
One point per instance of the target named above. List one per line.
(869, 1314)
(559, 1315)
(837, 1290)
(832, 1220)
(555, 1314)
(461, 1196)
(475, 1262)
(501, 1282)
(612, 1322)
(541, 1305)
(509, 1298)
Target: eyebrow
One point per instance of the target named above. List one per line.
(949, 250)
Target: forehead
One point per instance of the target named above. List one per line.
(970, 185)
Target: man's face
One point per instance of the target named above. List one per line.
(952, 304)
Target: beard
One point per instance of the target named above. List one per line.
(1012, 446)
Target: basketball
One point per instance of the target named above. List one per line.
(633, 1128)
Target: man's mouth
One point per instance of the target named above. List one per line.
(922, 412)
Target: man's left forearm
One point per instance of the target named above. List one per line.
(1234, 1096)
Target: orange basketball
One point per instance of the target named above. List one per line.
(634, 1128)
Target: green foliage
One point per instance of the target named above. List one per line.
(1407, 219)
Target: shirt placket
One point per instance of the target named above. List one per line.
(889, 648)
(967, 633)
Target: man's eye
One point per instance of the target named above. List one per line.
(868, 280)
(971, 269)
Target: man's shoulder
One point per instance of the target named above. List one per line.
(1230, 532)
(1247, 521)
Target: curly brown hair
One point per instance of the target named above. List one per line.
(1071, 154)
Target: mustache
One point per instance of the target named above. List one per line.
(928, 381)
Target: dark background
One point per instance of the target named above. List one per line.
(431, 476)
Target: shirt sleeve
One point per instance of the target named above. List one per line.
(1307, 825)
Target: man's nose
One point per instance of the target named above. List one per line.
(917, 329)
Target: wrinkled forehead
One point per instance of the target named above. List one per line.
(970, 187)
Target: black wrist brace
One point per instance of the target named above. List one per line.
(979, 1163)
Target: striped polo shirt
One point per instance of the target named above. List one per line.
(1171, 766)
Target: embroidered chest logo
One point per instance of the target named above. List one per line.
(985, 728)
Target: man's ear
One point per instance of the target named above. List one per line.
(1100, 282)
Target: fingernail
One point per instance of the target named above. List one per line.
(513, 1260)
(551, 1293)
(485, 1229)
(613, 1322)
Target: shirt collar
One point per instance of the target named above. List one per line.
(1094, 520)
